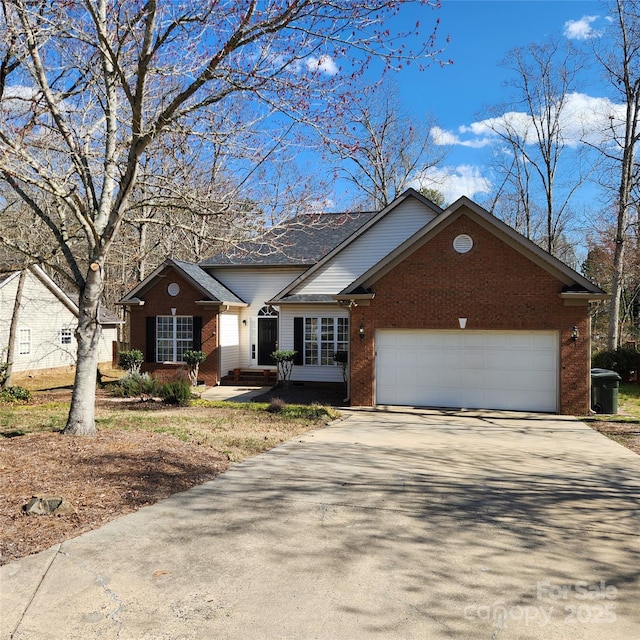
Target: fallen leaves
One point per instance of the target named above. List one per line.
(111, 474)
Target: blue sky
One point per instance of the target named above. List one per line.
(481, 32)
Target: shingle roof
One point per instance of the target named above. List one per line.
(302, 240)
(105, 316)
(211, 287)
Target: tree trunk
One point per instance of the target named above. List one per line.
(613, 335)
(81, 420)
(13, 328)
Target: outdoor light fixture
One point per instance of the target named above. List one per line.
(244, 322)
(361, 331)
(575, 334)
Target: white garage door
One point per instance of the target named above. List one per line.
(514, 370)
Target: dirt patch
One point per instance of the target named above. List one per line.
(625, 433)
(103, 477)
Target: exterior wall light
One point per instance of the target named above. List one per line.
(575, 334)
(361, 331)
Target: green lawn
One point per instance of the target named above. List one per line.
(628, 406)
(236, 430)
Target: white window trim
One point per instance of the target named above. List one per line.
(344, 344)
(63, 332)
(21, 341)
(174, 338)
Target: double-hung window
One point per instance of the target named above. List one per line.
(323, 337)
(174, 336)
(24, 342)
(66, 334)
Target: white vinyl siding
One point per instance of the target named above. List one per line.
(314, 373)
(367, 250)
(255, 286)
(43, 312)
(229, 342)
(511, 370)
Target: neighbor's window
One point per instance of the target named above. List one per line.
(323, 337)
(174, 336)
(24, 342)
(66, 335)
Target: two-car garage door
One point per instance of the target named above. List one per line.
(514, 370)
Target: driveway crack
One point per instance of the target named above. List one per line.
(102, 582)
(35, 592)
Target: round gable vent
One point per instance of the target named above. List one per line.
(173, 289)
(463, 243)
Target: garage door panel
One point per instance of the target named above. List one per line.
(521, 360)
(473, 359)
(497, 359)
(449, 359)
(474, 369)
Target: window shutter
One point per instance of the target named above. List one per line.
(298, 340)
(197, 333)
(151, 339)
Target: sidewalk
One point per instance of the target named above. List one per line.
(234, 394)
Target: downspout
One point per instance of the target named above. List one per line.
(352, 305)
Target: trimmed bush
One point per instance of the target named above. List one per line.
(177, 392)
(131, 361)
(134, 385)
(194, 359)
(4, 373)
(15, 394)
(284, 359)
(341, 358)
(622, 361)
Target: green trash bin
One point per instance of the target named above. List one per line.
(604, 391)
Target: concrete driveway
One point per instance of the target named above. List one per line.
(389, 524)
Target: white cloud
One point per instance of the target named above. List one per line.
(583, 118)
(581, 29)
(449, 138)
(324, 64)
(453, 182)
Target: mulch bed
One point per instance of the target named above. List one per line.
(329, 395)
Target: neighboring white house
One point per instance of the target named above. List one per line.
(47, 318)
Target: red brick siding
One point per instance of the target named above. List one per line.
(493, 285)
(159, 303)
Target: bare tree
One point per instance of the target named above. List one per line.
(13, 328)
(536, 137)
(621, 63)
(91, 85)
(380, 148)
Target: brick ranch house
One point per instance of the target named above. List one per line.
(447, 308)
